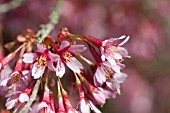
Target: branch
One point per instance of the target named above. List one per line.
(47, 28)
(6, 7)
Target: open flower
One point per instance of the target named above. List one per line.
(104, 71)
(85, 104)
(112, 51)
(112, 85)
(42, 58)
(18, 98)
(67, 56)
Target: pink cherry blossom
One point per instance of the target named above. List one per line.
(85, 104)
(112, 51)
(42, 58)
(112, 85)
(17, 98)
(67, 56)
(104, 71)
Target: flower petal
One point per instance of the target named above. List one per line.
(84, 107)
(41, 105)
(124, 41)
(74, 65)
(94, 108)
(120, 77)
(77, 48)
(53, 56)
(37, 70)
(60, 69)
(64, 44)
(10, 103)
(23, 97)
(51, 66)
(40, 48)
(4, 82)
(100, 75)
(29, 57)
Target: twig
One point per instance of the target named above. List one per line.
(6, 7)
(53, 20)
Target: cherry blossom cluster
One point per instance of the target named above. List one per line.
(53, 61)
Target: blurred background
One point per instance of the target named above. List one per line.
(147, 22)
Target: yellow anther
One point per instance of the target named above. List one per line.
(67, 55)
(41, 61)
(122, 60)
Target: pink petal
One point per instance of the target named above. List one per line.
(74, 65)
(64, 44)
(104, 43)
(4, 82)
(10, 103)
(111, 61)
(60, 69)
(53, 56)
(40, 48)
(100, 75)
(23, 97)
(37, 70)
(84, 107)
(120, 77)
(99, 97)
(77, 48)
(41, 105)
(114, 86)
(29, 57)
(94, 108)
(108, 93)
(121, 37)
(117, 56)
(25, 72)
(124, 41)
(51, 66)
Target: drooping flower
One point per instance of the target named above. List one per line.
(18, 98)
(47, 103)
(68, 106)
(18, 77)
(93, 92)
(104, 71)
(112, 51)
(112, 85)
(9, 57)
(85, 104)
(41, 59)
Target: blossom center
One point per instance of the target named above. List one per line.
(108, 71)
(41, 61)
(16, 78)
(111, 50)
(67, 56)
